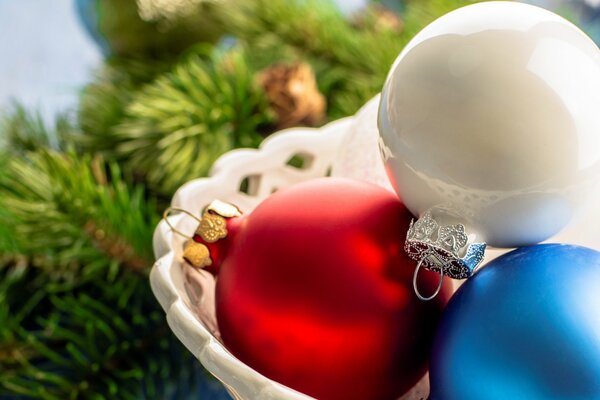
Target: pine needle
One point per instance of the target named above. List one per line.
(179, 125)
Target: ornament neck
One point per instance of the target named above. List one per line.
(216, 249)
(208, 246)
(445, 249)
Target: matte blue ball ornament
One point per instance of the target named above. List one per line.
(525, 327)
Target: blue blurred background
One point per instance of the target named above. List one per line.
(45, 55)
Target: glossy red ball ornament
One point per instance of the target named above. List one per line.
(314, 291)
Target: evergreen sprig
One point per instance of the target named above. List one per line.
(102, 340)
(351, 63)
(103, 102)
(24, 131)
(170, 129)
(76, 211)
(77, 316)
(176, 127)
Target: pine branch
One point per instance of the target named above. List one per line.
(76, 215)
(77, 317)
(316, 32)
(179, 125)
(159, 129)
(315, 27)
(103, 102)
(22, 131)
(351, 63)
(101, 340)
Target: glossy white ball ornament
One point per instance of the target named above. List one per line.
(492, 113)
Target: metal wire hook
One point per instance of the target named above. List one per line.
(170, 210)
(416, 275)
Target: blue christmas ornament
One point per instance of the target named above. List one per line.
(87, 11)
(526, 326)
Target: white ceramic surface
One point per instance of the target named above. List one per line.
(492, 113)
(359, 157)
(187, 295)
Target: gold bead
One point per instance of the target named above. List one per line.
(212, 228)
(196, 254)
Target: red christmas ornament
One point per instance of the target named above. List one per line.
(314, 291)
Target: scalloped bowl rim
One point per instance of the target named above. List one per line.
(241, 381)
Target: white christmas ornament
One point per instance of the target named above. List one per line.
(491, 118)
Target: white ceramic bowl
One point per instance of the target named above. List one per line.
(187, 295)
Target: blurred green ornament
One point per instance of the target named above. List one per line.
(149, 28)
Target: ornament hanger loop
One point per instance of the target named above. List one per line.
(171, 210)
(439, 247)
(416, 275)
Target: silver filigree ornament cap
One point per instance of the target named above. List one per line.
(445, 249)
